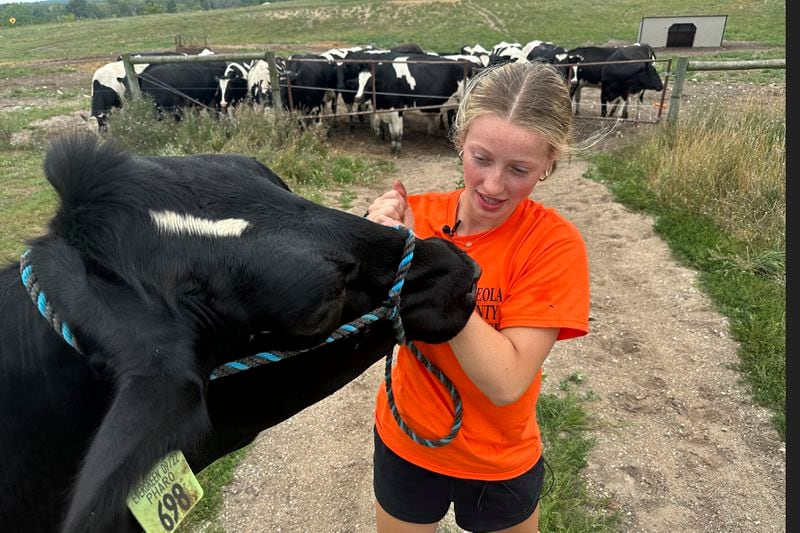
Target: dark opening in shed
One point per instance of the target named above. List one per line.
(681, 35)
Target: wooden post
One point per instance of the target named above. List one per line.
(274, 82)
(131, 77)
(677, 89)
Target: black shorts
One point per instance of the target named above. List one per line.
(413, 494)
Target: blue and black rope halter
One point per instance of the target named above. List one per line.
(40, 301)
(389, 310)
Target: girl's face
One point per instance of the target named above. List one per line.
(502, 164)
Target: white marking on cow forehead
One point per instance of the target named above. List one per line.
(363, 78)
(172, 222)
(561, 57)
(401, 71)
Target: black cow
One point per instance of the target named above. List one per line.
(401, 83)
(174, 86)
(164, 268)
(587, 75)
(313, 83)
(110, 87)
(619, 81)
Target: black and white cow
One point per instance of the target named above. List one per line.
(402, 83)
(343, 70)
(174, 86)
(548, 52)
(164, 268)
(587, 75)
(110, 87)
(259, 84)
(504, 52)
(313, 83)
(233, 87)
(619, 81)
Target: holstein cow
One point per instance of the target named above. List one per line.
(174, 86)
(259, 85)
(347, 72)
(336, 55)
(401, 83)
(233, 85)
(619, 81)
(153, 272)
(110, 87)
(588, 75)
(504, 52)
(313, 83)
(553, 54)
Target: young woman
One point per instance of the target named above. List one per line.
(511, 128)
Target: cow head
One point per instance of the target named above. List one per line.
(232, 85)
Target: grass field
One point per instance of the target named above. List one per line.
(435, 25)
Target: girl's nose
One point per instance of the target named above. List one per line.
(493, 183)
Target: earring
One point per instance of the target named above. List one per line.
(461, 154)
(546, 175)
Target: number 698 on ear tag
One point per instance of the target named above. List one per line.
(164, 497)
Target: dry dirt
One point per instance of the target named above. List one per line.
(680, 447)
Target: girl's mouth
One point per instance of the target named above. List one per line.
(489, 203)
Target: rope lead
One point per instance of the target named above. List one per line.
(390, 310)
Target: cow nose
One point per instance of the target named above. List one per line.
(473, 289)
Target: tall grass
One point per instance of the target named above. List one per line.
(730, 167)
(716, 183)
(297, 152)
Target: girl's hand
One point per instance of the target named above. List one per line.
(391, 208)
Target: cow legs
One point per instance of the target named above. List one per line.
(576, 99)
(150, 416)
(375, 122)
(396, 131)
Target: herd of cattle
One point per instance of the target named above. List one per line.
(378, 82)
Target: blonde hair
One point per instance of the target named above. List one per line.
(532, 95)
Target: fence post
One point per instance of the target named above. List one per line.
(130, 76)
(677, 89)
(274, 82)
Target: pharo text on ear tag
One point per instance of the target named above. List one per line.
(165, 495)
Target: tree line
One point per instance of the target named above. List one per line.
(21, 14)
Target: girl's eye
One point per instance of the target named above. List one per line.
(521, 171)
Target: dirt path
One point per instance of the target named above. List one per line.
(679, 445)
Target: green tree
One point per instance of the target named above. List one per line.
(152, 8)
(79, 8)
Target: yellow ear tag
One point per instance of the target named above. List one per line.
(165, 495)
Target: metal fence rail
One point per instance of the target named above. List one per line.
(683, 65)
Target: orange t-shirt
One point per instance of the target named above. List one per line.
(535, 274)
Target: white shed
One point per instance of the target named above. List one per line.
(690, 31)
